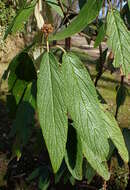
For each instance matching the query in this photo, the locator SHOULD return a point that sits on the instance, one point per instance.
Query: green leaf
(30, 94)
(101, 35)
(126, 134)
(25, 115)
(121, 95)
(21, 68)
(44, 183)
(101, 61)
(73, 156)
(18, 90)
(129, 3)
(93, 127)
(115, 134)
(60, 173)
(119, 41)
(125, 14)
(90, 173)
(25, 69)
(82, 101)
(23, 122)
(34, 174)
(22, 16)
(52, 109)
(55, 6)
(21, 72)
(87, 14)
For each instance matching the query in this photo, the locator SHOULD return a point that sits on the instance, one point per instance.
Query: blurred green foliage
(7, 12)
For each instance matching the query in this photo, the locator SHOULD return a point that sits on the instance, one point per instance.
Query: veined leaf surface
(52, 109)
(119, 41)
(92, 124)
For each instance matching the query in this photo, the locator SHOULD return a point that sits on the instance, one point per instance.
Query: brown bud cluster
(47, 29)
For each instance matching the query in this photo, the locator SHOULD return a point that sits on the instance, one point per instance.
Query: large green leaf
(51, 108)
(87, 14)
(119, 41)
(89, 119)
(21, 17)
(73, 156)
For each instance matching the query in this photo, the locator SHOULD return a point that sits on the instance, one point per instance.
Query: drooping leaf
(23, 122)
(73, 156)
(25, 69)
(55, 6)
(60, 173)
(119, 41)
(90, 173)
(21, 72)
(21, 68)
(126, 134)
(11, 105)
(52, 109)
(30, 94)
(125, 13)
(22, 16)
(44, 179)
(18, 90)
(101, 61)
(101, 35)
(34, 174)
(121, 95)
(87, 14)
(93, 127)
(115, 134)
(82, 101)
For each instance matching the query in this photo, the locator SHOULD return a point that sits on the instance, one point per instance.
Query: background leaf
(22, 16)
(87, 14)
(55, 6)
(126, 134)
(119, 41)
(101, 35)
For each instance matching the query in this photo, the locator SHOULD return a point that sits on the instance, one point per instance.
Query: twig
(61, 48)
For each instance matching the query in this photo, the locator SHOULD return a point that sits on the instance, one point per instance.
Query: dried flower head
(47, 29)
